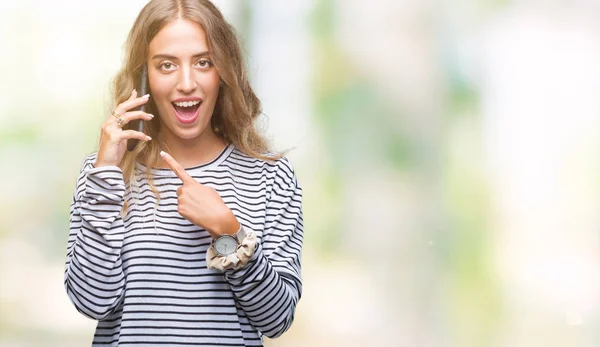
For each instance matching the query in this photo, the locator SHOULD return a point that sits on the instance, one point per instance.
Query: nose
(186, 83)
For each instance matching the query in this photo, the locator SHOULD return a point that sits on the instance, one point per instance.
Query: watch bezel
(238, 237)
(221, 239)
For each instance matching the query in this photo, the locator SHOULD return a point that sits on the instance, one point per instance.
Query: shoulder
(280, 168)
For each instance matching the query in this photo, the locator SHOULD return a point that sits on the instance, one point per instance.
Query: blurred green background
(448, 151)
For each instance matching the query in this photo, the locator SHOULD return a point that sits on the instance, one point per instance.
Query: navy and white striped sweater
(144, 278)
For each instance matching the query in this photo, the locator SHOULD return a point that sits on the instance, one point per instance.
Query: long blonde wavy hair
(237, 106)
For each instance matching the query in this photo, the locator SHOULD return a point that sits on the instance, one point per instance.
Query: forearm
(94, 277)
(268, 297)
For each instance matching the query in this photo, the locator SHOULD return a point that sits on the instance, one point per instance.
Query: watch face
(225, 245)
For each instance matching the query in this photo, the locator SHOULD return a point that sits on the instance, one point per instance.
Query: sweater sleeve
(270, 285)
(94, 278)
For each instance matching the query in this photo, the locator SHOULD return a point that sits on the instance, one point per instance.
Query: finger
(112, 133)
(132, 134)
(131, 115)
(117, 113)
(177, 168)
(132, 102)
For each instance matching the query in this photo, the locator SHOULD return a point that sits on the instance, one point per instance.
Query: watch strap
(236, 260)
(240, 235)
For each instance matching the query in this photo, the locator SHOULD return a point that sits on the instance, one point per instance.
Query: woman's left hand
(201, 204)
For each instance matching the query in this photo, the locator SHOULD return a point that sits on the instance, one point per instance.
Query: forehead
(179, 38)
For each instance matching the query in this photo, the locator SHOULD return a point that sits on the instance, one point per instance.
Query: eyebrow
(172, 57)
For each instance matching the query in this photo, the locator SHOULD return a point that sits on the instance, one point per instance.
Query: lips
(186, 113)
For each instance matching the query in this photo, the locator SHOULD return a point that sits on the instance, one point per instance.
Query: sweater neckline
(167, 172)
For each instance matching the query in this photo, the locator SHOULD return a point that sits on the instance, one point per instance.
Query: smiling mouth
(186, 111)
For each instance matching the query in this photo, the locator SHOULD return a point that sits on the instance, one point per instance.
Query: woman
(195, 236)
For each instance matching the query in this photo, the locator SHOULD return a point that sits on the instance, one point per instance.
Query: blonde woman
(195, 236)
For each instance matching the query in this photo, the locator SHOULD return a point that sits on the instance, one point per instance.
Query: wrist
(228, 225)
(100, 163)
(225, 253)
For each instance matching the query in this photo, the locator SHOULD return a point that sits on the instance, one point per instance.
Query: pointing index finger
(177, 168)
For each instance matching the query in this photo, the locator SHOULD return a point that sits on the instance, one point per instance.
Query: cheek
(210, 82)
(159, 86)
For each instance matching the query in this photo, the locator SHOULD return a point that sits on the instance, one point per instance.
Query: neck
(192, 152)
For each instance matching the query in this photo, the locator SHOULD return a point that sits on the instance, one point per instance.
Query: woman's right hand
(113, 139)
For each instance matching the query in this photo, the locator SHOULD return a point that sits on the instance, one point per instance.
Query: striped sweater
(144, 277)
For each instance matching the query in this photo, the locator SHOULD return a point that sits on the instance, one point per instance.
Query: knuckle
(106, 132)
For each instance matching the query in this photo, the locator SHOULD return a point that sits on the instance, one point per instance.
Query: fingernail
(133, 91)
(146, 96)
(148, 138)
(162, 153)
(150, 115)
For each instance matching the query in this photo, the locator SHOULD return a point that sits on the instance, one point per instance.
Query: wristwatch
(225, 245)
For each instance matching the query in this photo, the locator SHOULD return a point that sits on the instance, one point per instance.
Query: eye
(204, 63)
(166, 66)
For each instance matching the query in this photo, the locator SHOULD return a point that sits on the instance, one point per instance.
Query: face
(183, 81)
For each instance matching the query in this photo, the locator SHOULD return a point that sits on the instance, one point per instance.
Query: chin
(190, 133)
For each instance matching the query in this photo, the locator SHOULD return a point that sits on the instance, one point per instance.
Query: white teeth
(187, 103)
